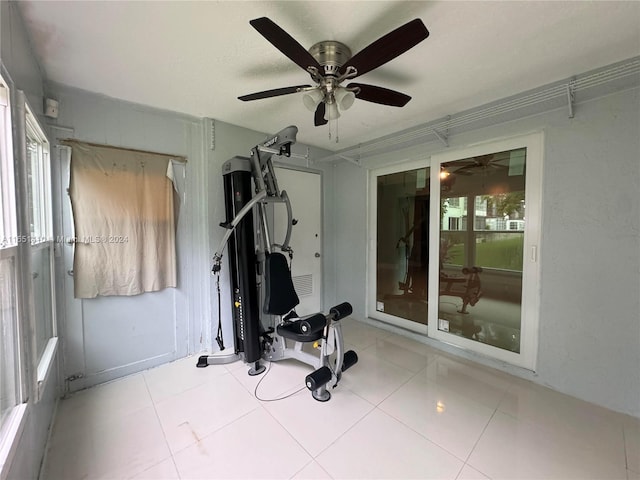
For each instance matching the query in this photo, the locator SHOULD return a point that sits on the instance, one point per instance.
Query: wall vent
(303, 284)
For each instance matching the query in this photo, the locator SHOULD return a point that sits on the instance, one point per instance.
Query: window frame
(13, 421)
(42, 240)
(35, 132)
(8, 221)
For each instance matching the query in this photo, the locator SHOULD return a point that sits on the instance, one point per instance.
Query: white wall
(17, 56)
(589, 339)
(109, 337)
(590, 308)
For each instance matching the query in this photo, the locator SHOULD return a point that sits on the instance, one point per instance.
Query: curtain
(124, 209)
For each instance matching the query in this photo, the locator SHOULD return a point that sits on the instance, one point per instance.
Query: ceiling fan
(483, 164)
(330, 63)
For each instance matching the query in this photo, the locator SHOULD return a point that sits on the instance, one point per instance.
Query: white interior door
(305, 194)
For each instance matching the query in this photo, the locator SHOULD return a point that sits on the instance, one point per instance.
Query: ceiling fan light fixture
(344, 98)
(312, 98)
(332, 112)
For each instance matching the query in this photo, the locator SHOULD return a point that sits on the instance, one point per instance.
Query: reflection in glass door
(481, 247)
(401, 246)
(488, 219)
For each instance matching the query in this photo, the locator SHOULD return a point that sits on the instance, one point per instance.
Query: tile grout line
(466, 399)
(413, 375)
(346, 431)
(216, 430)
(212, 379)
(478, 441)
(313, 460)
(164, 433)
(624, 446)
(313, 457)
(422, 435)
(50, 431)
(293, 438)
(375, 407)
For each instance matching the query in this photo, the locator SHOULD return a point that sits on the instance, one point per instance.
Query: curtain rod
(69, 141)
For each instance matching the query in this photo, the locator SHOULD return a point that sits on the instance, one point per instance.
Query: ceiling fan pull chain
(333, 128)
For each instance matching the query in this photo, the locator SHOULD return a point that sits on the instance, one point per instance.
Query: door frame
(372, 228)
(534, 143)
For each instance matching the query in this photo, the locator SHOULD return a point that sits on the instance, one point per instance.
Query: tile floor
(404, 411)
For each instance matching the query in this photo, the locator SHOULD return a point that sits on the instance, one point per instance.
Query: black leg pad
(349, 360)
(318, 378)
(312, 324)
(340, 311)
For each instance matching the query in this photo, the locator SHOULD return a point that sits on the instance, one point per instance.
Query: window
(8, 227)
(41, 243)
(37, 173)
(497, 237)
(9, 360)
(12, 408)
(9, 343)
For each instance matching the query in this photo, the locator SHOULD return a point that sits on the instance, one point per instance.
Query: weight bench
(465, 286)
(323, 332)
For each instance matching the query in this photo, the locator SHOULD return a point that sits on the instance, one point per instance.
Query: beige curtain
(123, 210)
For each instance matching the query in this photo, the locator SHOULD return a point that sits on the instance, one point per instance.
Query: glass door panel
(485, 219)
(482, 224)
(401, 245)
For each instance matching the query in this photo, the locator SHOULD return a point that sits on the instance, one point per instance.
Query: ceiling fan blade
(387, 48)
(384, 96)
(276, 92)
(285, 43)
(318, 118)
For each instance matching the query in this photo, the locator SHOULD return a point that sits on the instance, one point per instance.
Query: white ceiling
(198, 57)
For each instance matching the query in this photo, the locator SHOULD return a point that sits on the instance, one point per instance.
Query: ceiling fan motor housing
(331, 55)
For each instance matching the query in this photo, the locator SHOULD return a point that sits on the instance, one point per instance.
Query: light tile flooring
(404, 411)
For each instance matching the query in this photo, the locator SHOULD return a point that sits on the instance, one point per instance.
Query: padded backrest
(280, 296)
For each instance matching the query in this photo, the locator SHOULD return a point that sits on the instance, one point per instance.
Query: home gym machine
(260, 273)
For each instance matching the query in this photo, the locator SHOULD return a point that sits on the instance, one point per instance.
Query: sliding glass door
(453, 248)
(486, 231)
(400, 254)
